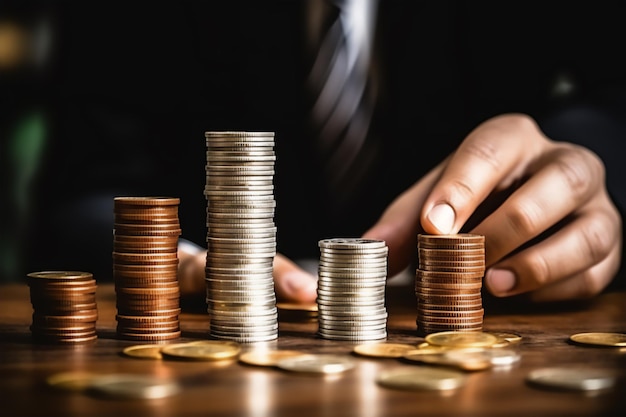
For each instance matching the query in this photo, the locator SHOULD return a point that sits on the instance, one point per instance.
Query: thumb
(293, 283)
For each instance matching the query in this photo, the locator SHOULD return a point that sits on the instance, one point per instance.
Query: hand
(555, 235)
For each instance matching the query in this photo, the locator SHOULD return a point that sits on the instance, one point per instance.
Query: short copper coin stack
(64, 304)
(145, 265)
(448, 283)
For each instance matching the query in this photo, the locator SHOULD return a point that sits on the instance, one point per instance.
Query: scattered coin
(202, 350)
(579, 379)
(317, 363)
(421, 378)
(383, 349)
(132, 386)
(600, 339)
(260, 357)
(71, 381)
(461, 339)
(144, 351)
(465, 359)
(503, 357)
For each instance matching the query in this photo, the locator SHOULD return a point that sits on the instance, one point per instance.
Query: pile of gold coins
(241, 236)
(351, 289)
(448, 282)
(64, 304)
(145, 265)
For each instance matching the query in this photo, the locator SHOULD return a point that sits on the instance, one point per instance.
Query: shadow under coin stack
(351, 289)
(64, 304)
(448, 283)
(241, 236)
(145, 266)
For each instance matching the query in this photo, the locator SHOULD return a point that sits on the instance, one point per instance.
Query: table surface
(232, 388)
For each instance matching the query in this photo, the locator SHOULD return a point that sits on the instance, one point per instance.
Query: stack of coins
(448, 282)
(64, 304)
(241, 236)
(351, 289)
(145, 265)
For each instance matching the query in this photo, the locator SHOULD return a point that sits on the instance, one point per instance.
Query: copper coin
(145, 201)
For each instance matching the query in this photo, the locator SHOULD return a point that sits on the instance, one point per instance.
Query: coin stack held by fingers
(448, 282)
(64, 304)
(351, 289)
(145, 265)
(241, 236)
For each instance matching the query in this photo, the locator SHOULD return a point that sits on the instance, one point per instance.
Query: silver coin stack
(241, 236)
(351, 289)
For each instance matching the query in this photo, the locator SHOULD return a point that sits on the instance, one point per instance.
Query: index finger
(491, 158)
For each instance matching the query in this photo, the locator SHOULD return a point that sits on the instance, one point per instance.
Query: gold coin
(600, 339)
(132, 386)
(267, 357)
(421, 378)
(71, 381)
(509, 338)
(383, 349)
(144, 351)
(317, 363)
(461, 339)
(579, 379)
(202, 350)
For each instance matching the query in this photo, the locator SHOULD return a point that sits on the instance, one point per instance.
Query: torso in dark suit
(139, 83)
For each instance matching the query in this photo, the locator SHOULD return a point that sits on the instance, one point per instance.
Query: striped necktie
(343, 93)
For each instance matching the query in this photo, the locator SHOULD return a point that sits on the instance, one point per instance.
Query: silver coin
(572, 378)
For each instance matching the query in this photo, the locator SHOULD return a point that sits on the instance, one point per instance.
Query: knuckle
(581, 170)
(484, 150)
(524, 219)
(597, 237)
(538, 271)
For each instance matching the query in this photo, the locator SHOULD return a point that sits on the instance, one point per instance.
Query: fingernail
(442, 217)
(500, 281)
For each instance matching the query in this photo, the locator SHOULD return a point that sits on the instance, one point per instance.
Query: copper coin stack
(351, 289)
(241, 236)
(145, 266)
(448, 282)
(64, 304)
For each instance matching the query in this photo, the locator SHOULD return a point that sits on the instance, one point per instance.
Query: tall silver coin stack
(351, 289)
(241, 236)
(448, 282)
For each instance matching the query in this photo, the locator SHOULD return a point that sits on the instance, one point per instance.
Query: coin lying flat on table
(600, 339)
(71, 381)
(132, 386)
(462, 339)
(383, 349)
(578, 379)
(144, 351)
(202, 350)
(421, 378)
(267, 357)
(317, 363)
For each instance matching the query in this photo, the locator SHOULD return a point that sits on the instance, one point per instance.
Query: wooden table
(232, 388)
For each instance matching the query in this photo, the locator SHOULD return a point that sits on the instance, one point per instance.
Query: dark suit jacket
(137, 84)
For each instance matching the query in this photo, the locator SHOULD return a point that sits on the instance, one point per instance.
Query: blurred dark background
(107, 98)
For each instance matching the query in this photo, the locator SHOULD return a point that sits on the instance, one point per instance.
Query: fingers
(292, 283)
(191, 271)
(576, 261)
(561, 181)
(490, 158)
(399, 224)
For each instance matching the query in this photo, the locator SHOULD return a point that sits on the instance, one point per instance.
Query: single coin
(317, 363)
(421, 378)
(509, 337)
(71, 381)
(202, 350)
(462, 339)
(383, 350)
(132, 386)
(600, 339)
(579, 379)
(465, 359)
(260, 357)
(144, 351)
(503, 357)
